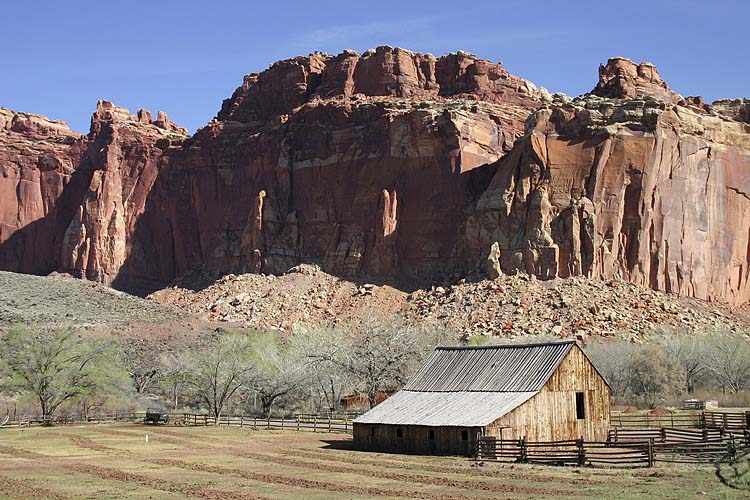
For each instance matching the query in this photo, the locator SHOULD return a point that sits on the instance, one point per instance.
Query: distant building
(355, 401)
(540, 392)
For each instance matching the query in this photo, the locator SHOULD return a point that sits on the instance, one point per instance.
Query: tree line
(229, 371)
(312, 370)
(673, 365)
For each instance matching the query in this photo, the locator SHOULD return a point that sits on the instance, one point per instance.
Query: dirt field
(116, 462)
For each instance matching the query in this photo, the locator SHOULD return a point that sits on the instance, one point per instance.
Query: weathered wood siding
(551, 414)
(416, 439)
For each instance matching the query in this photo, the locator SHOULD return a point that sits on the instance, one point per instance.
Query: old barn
(541, 392)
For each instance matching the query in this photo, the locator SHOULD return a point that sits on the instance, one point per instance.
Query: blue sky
(184, 57)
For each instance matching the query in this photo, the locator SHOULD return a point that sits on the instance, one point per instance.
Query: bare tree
(610, 358)
(728, 359)
(218, 371)
(376, 354)
(57, 365)
(278, 372)
(175, 375)
(690, 352)
(325, 380)
(142, 359)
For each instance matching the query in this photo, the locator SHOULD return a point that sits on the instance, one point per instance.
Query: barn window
(399, 433)
(464, 435)
(372, 431)
(432, 434)
(580, 406)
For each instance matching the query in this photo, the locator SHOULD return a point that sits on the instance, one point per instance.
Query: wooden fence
(329, 422)
(571, 452)
(678, 436)
(624, 447)
(307, 421)
(698, 420)
(33, 420)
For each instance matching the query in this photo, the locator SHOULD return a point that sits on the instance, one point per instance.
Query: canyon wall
(397, 165)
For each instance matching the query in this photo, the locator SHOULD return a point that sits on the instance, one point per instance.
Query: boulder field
(397, 165)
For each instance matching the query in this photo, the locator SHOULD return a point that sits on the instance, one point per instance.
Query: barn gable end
(552, 413)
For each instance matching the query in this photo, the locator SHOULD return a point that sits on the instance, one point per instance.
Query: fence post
(663, 435)
(702, 421)
(581, 452)
(315, 423)
(747, 419)
(268, 421)
(523, 456)
(329, 422)
(297, 422)
(255, 422)
(650, 452)
(282, 422)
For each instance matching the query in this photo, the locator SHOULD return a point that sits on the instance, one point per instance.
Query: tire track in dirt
(90, 444)
(310, 484)
(18, 452)
(440, 469)
(26, 491)
(161, 484)
(420, 479)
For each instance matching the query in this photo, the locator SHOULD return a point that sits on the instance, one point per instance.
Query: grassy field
(115, 462)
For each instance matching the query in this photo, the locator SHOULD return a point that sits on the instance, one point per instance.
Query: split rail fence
(331, 422)
(307, 422)
(628, 448)
(696, 420)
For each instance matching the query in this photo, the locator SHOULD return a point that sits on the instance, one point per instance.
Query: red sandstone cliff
(394, 164)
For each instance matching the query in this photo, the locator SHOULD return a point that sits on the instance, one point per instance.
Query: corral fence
(303, 421)
(627, 448)
(33, 420)
(696, 420)
(323, 422)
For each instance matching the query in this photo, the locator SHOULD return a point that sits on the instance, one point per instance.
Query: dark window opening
(464, 435)
(372, 431)
(580, 406)
(432, 433)
(399, 433)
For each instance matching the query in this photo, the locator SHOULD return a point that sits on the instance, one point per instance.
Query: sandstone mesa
(392, 164)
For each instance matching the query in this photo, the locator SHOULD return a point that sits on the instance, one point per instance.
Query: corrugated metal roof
(444, 409)
(504, 368)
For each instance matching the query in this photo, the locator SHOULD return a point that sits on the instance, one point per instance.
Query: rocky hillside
(395, 165)
(511, 306)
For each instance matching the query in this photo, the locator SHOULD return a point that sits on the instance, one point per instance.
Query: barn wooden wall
(551, 414)
(416, 439)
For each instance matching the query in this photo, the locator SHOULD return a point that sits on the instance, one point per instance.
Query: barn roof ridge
(504, 346)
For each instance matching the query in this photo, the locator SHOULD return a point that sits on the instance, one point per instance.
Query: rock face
(639, 190)
(394, 164)
(38, 161)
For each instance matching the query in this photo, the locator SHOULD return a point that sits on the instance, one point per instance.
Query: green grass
(115, 462)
